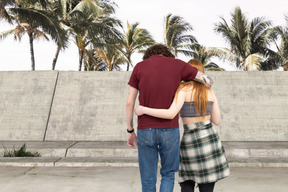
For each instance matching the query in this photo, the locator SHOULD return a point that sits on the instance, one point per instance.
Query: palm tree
(94, 63)
(175, 36)
(280, 57)
(33, 19)
(135, 39)
(112, 57)
(90, 24)
(205, 54)
(247, 40)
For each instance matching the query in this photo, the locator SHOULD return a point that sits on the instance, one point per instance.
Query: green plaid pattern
(202, 156)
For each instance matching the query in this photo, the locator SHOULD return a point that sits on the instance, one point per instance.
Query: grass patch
(21, 152)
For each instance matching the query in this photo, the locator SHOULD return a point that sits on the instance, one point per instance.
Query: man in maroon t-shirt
(156, 79)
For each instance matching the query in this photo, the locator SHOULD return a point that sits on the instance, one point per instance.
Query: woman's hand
(139, 110)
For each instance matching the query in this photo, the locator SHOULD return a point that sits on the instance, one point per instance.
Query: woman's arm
(163, 113)
(215, 116)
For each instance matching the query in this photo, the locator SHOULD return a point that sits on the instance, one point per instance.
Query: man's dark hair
(157, 49)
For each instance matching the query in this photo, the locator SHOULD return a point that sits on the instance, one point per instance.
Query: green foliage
(175, 35)
(135, 39)
(248, 42)
(90, 25)
(21, 152)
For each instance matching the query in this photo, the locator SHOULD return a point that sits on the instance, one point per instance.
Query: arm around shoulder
(204, 78)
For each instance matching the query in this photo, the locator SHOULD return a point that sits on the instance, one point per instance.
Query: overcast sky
(202, 15)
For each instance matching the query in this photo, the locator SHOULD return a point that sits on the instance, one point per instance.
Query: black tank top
(189, 110)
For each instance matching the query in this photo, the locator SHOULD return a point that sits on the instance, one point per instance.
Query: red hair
(200, 95)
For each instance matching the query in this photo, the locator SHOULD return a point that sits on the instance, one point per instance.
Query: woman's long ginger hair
(199, 93)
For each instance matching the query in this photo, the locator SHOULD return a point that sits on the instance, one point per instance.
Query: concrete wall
(25, 101)
(90, 106)
(253, 105)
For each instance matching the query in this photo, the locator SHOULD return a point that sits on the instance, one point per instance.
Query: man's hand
(139, 110)
(132, 140)
(204, 78)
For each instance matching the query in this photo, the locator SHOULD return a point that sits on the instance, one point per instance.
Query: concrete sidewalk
(118, 154)
(126, 179)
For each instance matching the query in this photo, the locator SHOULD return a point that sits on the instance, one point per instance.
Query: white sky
(201, 14)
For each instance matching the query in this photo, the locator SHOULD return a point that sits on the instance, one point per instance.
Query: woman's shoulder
(211, 95)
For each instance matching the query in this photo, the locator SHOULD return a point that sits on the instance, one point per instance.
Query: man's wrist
(130, 130)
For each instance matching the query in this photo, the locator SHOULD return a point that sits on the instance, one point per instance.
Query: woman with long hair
(202, 156)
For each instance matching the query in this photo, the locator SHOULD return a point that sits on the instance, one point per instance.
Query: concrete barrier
(90, 106)
(253, 105)
(25, 102)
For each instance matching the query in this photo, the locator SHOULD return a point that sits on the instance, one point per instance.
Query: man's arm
(204, 78)
(132, 139)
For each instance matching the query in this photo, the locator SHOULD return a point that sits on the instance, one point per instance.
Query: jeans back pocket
(172, 136)
(144, 136)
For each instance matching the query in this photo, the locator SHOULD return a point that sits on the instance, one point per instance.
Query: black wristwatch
(130, 131)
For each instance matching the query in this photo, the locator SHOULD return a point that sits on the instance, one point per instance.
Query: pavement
(126, 179)
(118, 154)
(105, 166)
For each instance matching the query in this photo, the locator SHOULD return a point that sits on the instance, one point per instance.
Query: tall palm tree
(90, 24)
(33, 19)
(135, 39)
(247, 40)
(175, 35)
(280, 57)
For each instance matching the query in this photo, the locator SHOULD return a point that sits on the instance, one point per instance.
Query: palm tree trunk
(32, 51)
(81, 54)
(128, 64)
(129, 61)
(56, 57)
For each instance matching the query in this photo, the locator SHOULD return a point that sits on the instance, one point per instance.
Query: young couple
(158, 79)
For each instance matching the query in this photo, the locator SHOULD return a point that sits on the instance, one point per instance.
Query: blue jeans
(152, 142)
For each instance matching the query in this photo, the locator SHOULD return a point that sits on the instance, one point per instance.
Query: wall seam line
(53, 95)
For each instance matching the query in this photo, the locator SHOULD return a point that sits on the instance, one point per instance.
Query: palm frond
(175, 32)
(6, 33)
(88, 7)
(252, 62)
(43, 19)
(213, 67)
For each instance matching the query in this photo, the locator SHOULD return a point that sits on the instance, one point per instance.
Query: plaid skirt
(202, 156)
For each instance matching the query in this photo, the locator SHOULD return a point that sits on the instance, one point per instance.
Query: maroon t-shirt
(157, 80)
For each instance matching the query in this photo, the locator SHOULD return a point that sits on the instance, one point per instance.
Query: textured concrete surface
(46, 149)
(253, 105)
(90, 106)
(25, 102)
(118, 154)
(127, 179)
(121, 149)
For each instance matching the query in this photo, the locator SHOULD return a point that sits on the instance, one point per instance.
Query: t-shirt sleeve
(188, 72)
(134, 78)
